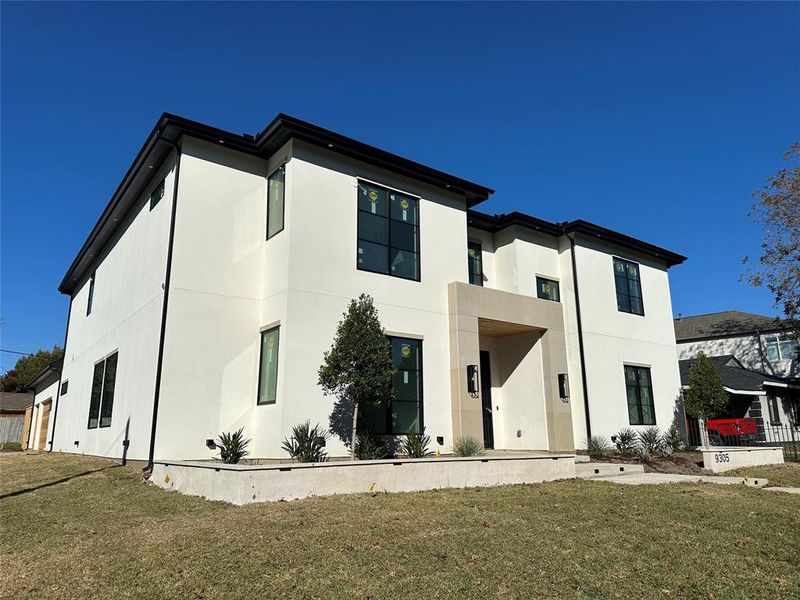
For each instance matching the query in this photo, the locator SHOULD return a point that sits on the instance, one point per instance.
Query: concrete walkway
(656, 478)
(786, 490)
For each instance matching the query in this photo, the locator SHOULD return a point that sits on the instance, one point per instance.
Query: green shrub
(467, 446)
(599, 445)
(307, 444)
(232, 446)
(370, 446)
(643, 454)
(415, 445)
(626, 441)
(650, 439)
(672, 438)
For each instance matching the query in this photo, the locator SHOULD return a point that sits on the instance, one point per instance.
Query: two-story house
(208, 291)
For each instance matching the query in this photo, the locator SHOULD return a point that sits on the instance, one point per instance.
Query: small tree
(27, 367)
(358, 367)
(705, 398)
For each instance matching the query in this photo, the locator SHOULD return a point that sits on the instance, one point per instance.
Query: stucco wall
(745, 348)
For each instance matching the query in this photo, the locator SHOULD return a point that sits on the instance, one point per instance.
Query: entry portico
(520, 345)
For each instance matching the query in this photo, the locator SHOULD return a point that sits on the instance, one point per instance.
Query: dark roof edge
(278, 132)
(495, 223)
(53, 367)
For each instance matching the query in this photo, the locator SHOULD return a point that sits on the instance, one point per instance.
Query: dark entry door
(486, 400)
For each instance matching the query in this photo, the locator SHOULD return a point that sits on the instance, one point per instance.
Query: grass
(102, 533)
(786, 475)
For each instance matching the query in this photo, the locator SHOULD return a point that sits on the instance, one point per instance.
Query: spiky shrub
(467, 446)
(643, 454)
(415, 445)
(370, 446)
(650, 439)
(672, 438)
(307, 444)
(599, 445)
(232, 446)
(626, 441)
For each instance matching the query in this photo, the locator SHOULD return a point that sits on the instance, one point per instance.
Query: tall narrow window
(91, 296)
(276, 194)
(639, 387)
(547, 289)
(774, 413)
(388, 232)
(475, 262)
(629, 287)
(268, 367)
(101, 404)
(157, 195)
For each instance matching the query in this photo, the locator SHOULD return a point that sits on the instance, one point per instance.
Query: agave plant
(467, 446)
(626, 441)
(307, 444)
(232, 446)
(415, 445)
(650, 439)
(370, 446)
(599, 445)
(672, 438)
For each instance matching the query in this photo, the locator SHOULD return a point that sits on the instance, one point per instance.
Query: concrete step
(596, 469)
(582, 458)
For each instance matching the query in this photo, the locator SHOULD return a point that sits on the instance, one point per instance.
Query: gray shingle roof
(722, 324)
(730, 370)
(14, 402)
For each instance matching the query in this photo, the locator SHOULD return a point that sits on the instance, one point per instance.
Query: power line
(15, 352)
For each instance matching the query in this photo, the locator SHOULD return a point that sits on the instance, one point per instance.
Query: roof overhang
(171, 128)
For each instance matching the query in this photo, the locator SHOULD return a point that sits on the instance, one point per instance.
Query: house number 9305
(722, 457)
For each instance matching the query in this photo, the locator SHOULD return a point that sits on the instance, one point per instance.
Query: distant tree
(777, 209)
(358, 367)
(26, 369)
(705, 398)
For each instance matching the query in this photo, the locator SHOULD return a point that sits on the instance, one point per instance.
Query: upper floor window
(475, 262)
(780, 346)
(629, 287)
(276, 194)
(547, 289)
(102, 399)
(157, 195)
(639, 387)
(64, 387)
(388, 232)
(91, 296)
(268, 367)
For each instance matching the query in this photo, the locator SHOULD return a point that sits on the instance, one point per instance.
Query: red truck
(733, 432)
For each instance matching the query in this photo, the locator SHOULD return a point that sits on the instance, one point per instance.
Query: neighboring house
(771, 401)
(760, 343)
(45, 386)
(208, 291)
(13, 407)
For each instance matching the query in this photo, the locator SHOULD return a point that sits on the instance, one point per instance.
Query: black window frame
(282, 170)
(277, 331)
(639, 370)
(773, 409)
(546, 280)
(96, 411)
(389, 220)
(64, 388)
(388, 403)
(627, 296)
(475, 263)
(90, 299)
(157, 194)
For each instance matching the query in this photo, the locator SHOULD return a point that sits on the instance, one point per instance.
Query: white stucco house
(204, 298)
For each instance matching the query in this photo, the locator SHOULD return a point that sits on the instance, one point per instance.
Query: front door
(486, 400)
(45, 408)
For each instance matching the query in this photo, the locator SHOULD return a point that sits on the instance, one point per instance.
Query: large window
(388, 232)
(639, 388)
(475, 261)
(101, 403)
(547, 289)
(780, 346)
(629, 287)
(402, 414)
(268, 367)
(276, 194)
(91, 296)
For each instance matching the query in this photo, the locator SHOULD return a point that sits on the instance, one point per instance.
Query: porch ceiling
(497, 329)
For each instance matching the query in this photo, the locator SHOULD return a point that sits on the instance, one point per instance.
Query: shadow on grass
(56, 482)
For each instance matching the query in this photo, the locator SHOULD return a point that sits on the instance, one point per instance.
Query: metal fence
(785, 435)
(11, 430)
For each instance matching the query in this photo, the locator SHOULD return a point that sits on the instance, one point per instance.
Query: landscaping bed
(681, 463)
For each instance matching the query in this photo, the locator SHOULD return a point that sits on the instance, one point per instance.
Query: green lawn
(787, 475)
(105, 534)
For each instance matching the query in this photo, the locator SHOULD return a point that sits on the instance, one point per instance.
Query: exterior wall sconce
(472, 380)
(563, 387)
(211, 444)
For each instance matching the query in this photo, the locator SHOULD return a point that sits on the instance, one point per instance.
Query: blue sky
(657, 120)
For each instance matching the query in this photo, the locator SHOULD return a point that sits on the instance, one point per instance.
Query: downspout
(580, 338)
(157, 392)
(60, 375)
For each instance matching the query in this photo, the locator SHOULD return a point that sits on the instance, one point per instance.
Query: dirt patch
(680, 463)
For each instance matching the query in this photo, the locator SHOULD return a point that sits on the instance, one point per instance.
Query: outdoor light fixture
(563, 386)
(472, 380)
(211, 444)
(440, 440)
